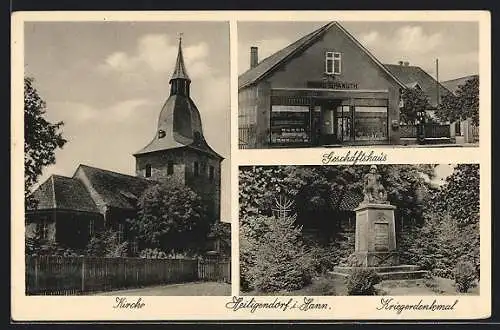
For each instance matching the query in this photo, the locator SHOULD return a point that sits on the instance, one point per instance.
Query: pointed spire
(180, 71)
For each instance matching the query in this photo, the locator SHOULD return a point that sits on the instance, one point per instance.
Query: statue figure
(373, 190)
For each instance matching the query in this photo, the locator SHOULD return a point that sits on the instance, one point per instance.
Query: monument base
(401, 272)
(376, 259)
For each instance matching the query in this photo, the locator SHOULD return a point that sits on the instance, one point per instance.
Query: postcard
(231, 165)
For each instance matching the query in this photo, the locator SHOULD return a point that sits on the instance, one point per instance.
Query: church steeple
(179, 83)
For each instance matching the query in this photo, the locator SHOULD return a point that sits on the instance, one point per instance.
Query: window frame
(211, 173)
(148, 171)
(333, 57)
(170, 167)
(196, 169)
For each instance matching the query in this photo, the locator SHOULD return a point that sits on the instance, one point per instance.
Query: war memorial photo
(359, 230)
(127, 158)
(344, 84)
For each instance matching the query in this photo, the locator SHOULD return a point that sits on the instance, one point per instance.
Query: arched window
(148, 170)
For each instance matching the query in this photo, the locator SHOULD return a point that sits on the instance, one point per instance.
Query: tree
(171, 217)
(463, 104)
(414, 101)
(41, 138)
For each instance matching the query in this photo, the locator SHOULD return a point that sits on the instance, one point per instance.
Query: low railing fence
(58, 275)
(431, 130)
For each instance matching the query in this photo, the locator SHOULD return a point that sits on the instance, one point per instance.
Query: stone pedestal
(375, 240)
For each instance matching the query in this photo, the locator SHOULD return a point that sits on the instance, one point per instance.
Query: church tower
(178, 148)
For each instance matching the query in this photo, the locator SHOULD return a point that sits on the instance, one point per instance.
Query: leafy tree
(414, 101)
(41, 138)
(463, 104)
(171, 216)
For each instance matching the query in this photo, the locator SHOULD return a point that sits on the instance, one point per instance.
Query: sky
(455, 44)
(107, 81)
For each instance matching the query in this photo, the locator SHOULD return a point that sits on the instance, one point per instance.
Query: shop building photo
(307, 84)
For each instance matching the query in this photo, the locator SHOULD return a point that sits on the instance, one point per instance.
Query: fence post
(83, 274)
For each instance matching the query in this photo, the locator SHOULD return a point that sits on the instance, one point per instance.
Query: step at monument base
(401, 272)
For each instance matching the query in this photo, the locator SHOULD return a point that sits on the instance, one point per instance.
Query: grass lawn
(326, 286)
(184, 289)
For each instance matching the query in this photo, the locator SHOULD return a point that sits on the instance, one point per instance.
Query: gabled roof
(267, 65)
(453, 84)
(63, 193)
(116, 190)
(415, 75)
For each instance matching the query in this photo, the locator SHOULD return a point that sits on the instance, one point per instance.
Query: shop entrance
(331, 123)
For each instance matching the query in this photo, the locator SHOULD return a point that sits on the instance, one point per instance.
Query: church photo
(127, 151)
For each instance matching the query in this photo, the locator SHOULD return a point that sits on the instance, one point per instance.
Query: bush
(465, 274)
(152, 254)
(323, 286)
(361, 282)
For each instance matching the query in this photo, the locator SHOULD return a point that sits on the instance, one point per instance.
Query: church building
(71, 209)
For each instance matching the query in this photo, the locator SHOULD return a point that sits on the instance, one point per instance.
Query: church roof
(414, 75)
(180, 71)
(63, 193)
(114, 189)
(267, 65)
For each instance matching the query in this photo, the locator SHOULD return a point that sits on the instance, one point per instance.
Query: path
(184, 289)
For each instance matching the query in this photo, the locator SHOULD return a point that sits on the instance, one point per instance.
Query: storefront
(315, 117)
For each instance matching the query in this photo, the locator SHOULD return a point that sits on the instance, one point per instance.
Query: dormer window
(333, 63)
(161, 134)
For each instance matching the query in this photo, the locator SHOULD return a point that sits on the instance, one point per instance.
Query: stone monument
(375, 240)
(375, 237)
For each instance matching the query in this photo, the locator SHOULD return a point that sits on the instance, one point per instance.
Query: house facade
(326, 89)
(70, 210)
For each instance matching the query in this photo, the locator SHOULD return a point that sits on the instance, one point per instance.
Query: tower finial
(180, 69)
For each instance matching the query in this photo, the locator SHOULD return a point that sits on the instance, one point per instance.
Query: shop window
(196, 169)
(211, 172)
(370, 123)
(290, 124)
(148, 170)
(333, 63)
(170, 167)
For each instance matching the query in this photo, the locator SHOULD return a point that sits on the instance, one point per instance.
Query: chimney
(400, 62)
(254, 56)
(406, 63)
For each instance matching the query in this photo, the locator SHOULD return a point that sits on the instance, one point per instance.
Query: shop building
(323, 89)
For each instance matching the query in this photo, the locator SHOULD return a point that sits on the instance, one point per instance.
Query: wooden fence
(57, 275)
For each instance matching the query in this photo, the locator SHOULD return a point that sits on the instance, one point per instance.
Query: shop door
(328, 123)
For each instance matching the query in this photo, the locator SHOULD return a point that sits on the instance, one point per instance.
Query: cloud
(157, 53)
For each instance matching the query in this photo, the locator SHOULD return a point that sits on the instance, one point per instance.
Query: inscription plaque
(381, 236)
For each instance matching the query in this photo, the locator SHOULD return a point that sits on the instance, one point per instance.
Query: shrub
(465, 274)
(361, 282)
(323, 286)
(152, 254)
